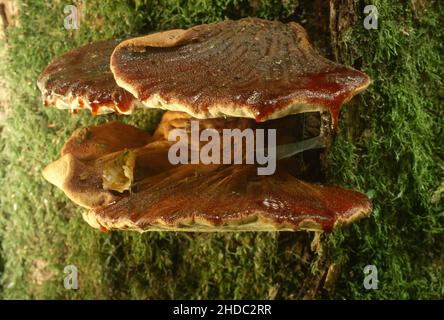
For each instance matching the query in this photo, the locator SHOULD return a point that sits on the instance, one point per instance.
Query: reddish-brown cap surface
(160, 196)
(247, 68)
(81, 79)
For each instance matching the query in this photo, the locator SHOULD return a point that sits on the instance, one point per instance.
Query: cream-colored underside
(227, 110)
(296, 106)
(72, 103)
(252, 222)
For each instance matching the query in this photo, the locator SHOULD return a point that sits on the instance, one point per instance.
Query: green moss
(395, 156)
(389, 146)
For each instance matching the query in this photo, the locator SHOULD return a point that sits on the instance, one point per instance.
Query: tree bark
(326, 23)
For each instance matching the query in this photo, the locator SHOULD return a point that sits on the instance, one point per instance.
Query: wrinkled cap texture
(82, 79)
(246, 68)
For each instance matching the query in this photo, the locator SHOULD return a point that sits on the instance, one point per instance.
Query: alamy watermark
(371, 20)
(71, 21)
(228, 148)
(71, 280)
(371, 278)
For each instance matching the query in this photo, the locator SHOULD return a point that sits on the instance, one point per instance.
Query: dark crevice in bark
(326, 23)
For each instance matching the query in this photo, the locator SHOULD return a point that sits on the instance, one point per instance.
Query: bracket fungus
(239, 75)
(82, 79)
(247, 68)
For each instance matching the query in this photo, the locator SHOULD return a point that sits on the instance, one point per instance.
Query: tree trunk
(326, 22)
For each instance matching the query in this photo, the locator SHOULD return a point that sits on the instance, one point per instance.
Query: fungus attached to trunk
(82, 79)
(232, 75)
(247, 68)
(197, 197)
